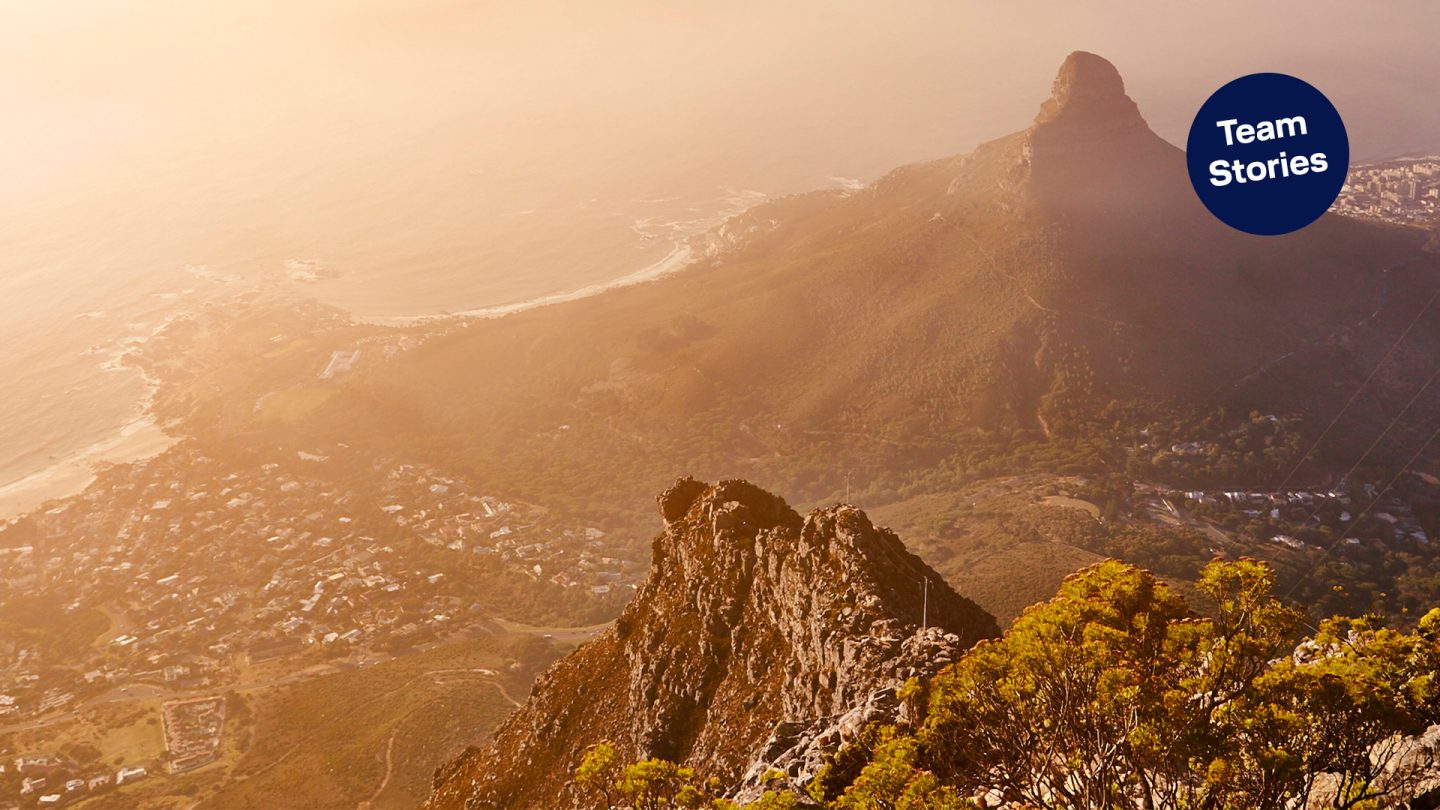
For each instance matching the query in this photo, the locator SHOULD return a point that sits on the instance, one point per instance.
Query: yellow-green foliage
(653, 784)
(894, 779)
(1117, 694)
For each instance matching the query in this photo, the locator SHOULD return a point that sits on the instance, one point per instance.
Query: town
(1279, 516)
(183, 577)
(1400, 192)
(1350, 515)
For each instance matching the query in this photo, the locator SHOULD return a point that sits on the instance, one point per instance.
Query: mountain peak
(1091, 150)
(759, 637)
(1088, 90)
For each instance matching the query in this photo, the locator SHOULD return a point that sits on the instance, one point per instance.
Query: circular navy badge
(1268, 154)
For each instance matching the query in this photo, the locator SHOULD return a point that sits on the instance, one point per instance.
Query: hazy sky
(88, 84)
(317, 125)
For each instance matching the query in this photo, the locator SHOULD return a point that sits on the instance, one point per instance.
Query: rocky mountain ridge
(760, 640)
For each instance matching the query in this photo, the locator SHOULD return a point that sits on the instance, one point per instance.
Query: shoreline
(142, 438)
(680, 257)
(137, 440)
(682, 235)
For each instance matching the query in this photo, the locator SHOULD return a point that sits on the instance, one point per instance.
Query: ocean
(87, 286)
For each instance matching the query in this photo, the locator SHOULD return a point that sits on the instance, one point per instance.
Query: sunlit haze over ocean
(421, 157)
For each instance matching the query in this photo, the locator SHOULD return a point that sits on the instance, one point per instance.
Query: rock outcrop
(799, 750)
(1089, 145)
(1087, 95)
(759, 640)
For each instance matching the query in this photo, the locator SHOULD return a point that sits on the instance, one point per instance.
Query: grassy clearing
(294, 404)
(1073, 503)
(323, 743)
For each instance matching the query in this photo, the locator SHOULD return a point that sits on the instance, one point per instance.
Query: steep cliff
(759, 639)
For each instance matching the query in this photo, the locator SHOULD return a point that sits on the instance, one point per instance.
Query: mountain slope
(750, 616)
(911, 327)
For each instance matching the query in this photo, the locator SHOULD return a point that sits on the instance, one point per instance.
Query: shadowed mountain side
(1019, 287)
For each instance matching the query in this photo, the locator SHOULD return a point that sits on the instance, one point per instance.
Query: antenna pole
(925, 606)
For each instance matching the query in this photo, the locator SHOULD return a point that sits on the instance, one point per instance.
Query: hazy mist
(434, 156)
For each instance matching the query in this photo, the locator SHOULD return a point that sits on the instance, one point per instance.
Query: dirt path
(505, 694)
(369, 804)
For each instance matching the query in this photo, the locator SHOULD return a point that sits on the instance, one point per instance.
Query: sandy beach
(137, 440)
(678, 258)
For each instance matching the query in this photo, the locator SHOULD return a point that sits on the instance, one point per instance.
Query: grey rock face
(758, 640)
(799, 750)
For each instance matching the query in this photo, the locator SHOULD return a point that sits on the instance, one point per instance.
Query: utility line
(1381, 494)
(1356, 395)
(1361, 460)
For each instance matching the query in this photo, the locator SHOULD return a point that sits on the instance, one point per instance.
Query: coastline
(677, 259)
(681, 235)
(143, 438)
(137, 440)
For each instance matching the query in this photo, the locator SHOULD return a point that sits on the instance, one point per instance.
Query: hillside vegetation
(1032, 306)
(377, 734)
(1117, 694)
(369, 737)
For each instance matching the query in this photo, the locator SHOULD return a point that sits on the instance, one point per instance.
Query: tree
(657, 783)
(1341, 716)
(1072, 707)
(1116, 694)
(598, 771)
(653, 784)
(893, 781)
